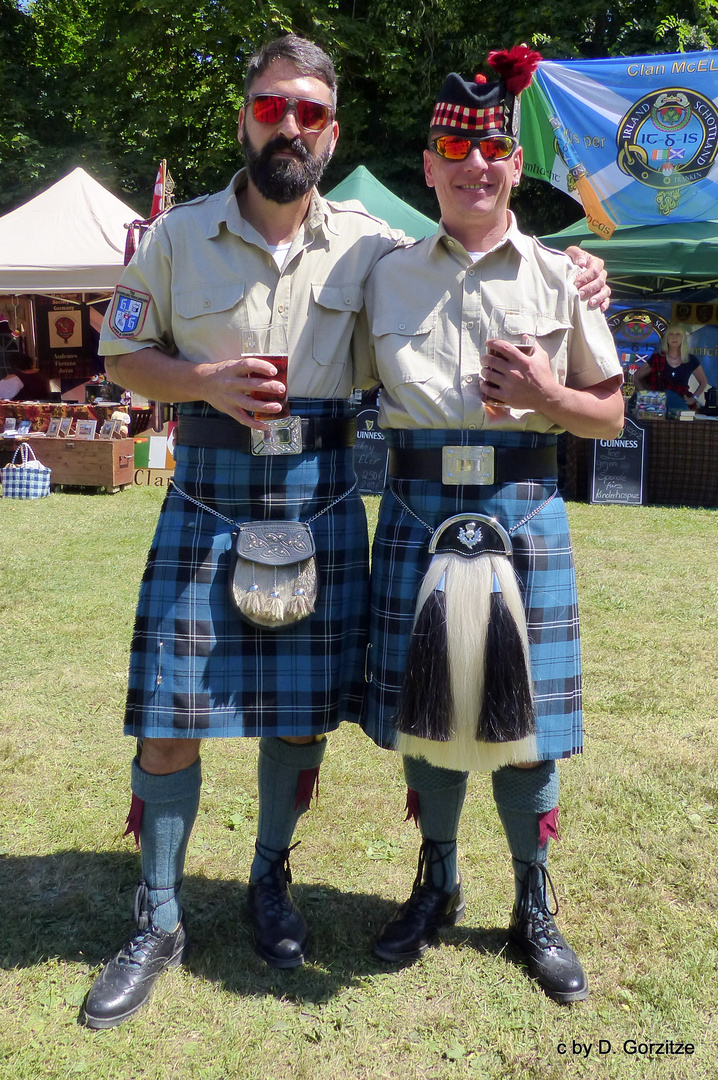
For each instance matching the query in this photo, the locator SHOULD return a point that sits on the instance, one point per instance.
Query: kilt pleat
(543, 560)
(196, 669)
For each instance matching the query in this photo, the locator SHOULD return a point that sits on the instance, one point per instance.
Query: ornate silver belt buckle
(283, 437)
(467, 465)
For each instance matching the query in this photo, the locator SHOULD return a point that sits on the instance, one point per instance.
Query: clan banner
(634, 138)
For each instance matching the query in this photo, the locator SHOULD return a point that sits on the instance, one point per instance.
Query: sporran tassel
(300, 605)
(425, 704)
(251, 601)
(274, 605)
(507, 710)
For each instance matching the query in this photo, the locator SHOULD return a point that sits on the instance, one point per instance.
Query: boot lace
(430, 856)
(275, 898)
(534, 907)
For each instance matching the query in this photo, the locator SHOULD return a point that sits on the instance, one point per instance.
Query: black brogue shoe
(125, 984)
(280, 932)
(415, 926)
(551, 960)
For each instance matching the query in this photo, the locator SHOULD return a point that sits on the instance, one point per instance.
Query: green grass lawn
(636, 869)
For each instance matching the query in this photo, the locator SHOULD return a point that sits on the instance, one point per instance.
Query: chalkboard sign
(619, 467)
(371, 455)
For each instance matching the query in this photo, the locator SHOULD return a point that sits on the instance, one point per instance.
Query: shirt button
(207, 303)
(472, 427)
(469, 326)
(347, 299)
(402, 326)
(471, 273)
(469, 378)
(280, 307)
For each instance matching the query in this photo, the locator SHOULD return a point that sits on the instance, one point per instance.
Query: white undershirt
(279, 252)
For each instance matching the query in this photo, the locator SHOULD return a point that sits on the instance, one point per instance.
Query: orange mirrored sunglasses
(458, 147)
(272, 108)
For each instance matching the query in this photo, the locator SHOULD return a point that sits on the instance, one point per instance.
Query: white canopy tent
(69, 239)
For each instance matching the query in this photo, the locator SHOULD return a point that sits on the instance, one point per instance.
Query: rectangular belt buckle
(467, 465)
(283, 437)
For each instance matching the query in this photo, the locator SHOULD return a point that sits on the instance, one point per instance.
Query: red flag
(158, 197)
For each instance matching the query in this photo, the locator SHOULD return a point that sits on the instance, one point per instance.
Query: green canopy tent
(360, 185)
(651, 258)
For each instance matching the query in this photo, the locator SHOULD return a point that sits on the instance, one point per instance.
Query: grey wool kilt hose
(196, 669)
(542, 559)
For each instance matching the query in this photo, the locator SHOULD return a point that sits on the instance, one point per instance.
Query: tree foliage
(115, 86)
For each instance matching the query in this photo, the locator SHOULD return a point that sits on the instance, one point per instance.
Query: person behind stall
(671, 367)
(474, 652)
(24, 382)
(267, 248)
(9, 347)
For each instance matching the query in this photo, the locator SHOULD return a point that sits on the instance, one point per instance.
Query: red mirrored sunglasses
(458, 147)
(271, 109)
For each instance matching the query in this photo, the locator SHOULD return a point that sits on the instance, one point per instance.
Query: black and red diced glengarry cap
(478, 105)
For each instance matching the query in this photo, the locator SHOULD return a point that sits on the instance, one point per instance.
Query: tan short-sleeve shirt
(427, 315)
(201, 273)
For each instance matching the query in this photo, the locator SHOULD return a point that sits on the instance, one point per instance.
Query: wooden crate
(98, 463)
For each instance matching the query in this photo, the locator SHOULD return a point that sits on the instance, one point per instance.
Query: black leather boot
(280, 932)
(125, 984)
(409, 933)
(550, 958)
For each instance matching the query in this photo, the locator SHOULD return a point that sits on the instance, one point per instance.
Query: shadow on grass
(76, 906)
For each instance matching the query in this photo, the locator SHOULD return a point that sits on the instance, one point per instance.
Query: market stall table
(104, 464)
(41, 412)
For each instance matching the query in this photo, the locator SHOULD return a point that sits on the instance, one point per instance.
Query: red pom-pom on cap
(515, 66)
(479, 78)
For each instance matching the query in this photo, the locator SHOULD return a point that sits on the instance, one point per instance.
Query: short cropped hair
(306, 57)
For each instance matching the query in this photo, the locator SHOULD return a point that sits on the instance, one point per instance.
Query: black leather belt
(464, 465)
(226, 434)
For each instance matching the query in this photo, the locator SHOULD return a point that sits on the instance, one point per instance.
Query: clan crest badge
(667, 140)
(129, 310)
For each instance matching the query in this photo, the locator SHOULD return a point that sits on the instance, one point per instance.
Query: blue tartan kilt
(196, 669)
(543, 560)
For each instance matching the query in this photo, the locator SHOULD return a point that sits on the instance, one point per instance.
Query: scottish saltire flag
(634, 139)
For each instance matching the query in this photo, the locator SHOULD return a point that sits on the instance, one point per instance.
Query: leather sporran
(274, 579)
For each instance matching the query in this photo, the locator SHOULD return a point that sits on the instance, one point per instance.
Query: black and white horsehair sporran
(467, 700)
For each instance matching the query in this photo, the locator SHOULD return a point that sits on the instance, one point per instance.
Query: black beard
(283, 180)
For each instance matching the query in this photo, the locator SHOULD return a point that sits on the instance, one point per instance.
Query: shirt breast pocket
(207, 320)
(552, 333)
(207, 299)
(405, 348)
(334, 309)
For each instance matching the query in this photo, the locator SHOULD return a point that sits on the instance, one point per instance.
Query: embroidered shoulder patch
(129, 310)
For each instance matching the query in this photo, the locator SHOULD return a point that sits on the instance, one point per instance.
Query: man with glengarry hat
(485, 354)
(266, 250)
